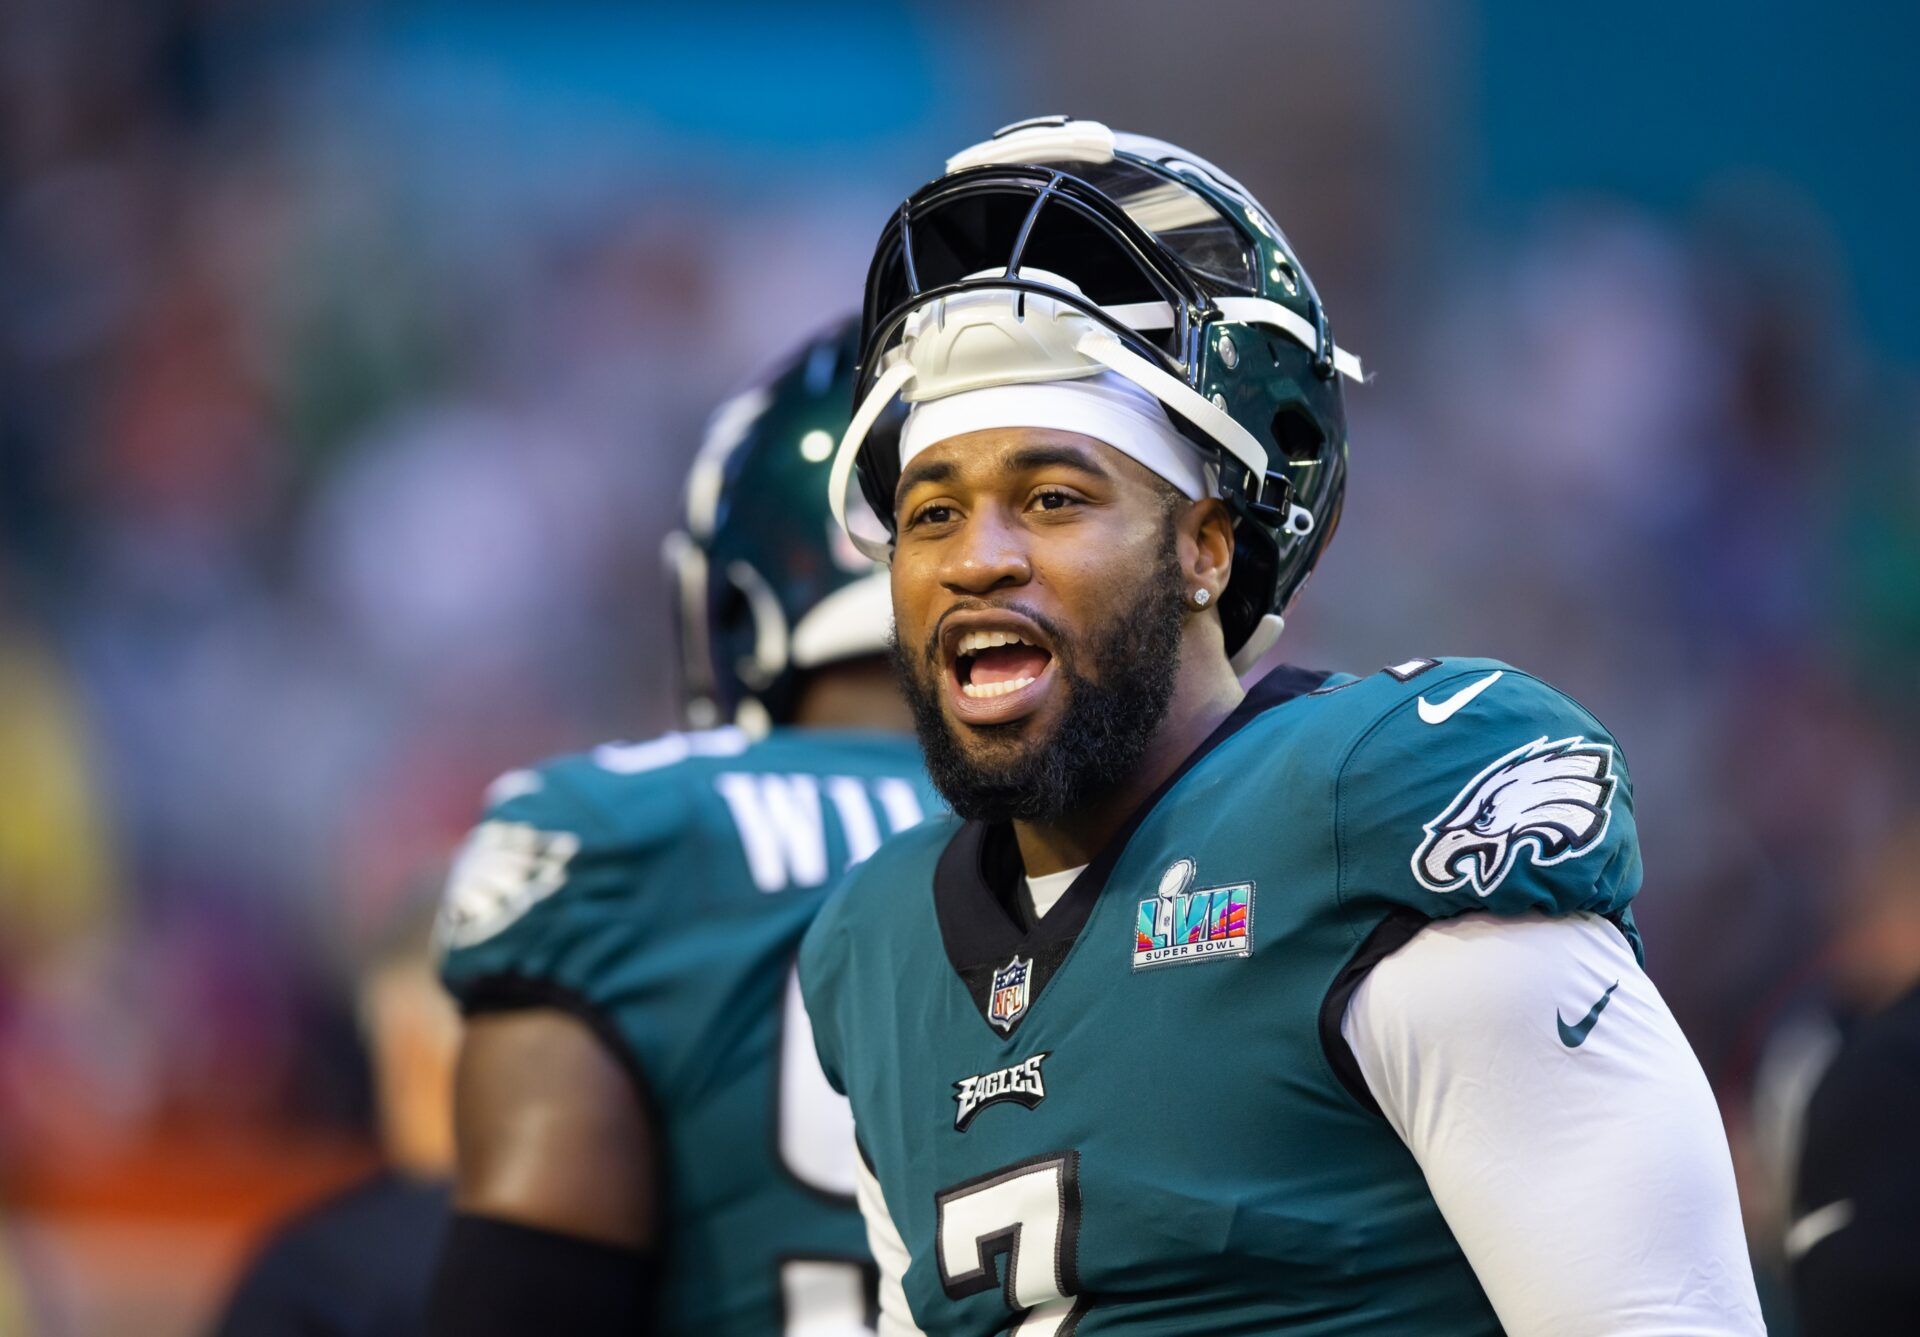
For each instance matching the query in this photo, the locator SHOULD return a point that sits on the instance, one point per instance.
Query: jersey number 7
(1030, 1212)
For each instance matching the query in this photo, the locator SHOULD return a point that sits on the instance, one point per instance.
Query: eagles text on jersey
(1199, 1153)
(660, 890)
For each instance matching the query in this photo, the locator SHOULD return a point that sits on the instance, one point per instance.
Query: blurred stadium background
(350, 356)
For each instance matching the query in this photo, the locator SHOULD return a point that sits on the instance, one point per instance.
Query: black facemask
(1118, 679)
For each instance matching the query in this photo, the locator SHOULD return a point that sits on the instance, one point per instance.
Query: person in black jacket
(360, 1263)
(1854, 1242)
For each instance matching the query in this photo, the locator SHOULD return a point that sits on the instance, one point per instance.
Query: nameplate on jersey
(784, 824)
(1179, 924)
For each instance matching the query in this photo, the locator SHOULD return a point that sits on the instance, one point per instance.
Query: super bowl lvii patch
(1178, 925)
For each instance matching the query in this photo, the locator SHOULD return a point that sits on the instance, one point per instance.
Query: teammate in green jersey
(646, 1143)
(1314, 1007)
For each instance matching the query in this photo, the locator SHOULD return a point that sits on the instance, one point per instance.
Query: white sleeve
(889, 1251)
(1563, 1124)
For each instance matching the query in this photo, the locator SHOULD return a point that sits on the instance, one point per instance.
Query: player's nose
(988, 554)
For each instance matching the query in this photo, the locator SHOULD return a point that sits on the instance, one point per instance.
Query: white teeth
(978, 690)
(975, 641)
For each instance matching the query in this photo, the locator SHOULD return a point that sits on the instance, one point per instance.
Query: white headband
(1105, 405)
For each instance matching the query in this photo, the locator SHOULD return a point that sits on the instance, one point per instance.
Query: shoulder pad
(557, 841)
(1472, 785)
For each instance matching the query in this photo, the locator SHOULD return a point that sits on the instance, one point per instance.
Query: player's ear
(1206, 546)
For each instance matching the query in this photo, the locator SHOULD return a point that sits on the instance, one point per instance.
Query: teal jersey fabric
(1139, 1115)
(660, 891)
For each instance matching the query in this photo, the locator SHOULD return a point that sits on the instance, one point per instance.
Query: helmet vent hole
(1296, 434)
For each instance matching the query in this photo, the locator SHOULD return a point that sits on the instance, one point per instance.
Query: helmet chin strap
(1265, 632)
(867, 532)
(1177, 395)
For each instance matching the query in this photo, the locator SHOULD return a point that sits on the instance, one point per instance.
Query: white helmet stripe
(1042, 140)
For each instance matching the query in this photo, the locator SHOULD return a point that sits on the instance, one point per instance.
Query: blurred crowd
(334, 468)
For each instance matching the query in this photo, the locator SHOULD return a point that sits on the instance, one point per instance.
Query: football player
(1315, 1006)
(645, 1141)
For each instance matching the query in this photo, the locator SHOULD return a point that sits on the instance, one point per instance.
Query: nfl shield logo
(1009, 994)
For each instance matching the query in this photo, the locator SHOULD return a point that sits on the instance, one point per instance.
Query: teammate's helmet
(1114, 252)
(766, 585)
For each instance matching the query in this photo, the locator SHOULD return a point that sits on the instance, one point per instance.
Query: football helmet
(1113, 252)
(766, 585)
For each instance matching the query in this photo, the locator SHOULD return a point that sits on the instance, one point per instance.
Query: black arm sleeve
(498, 1279)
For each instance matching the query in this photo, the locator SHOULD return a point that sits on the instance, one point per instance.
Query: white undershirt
(1044, 892)
(1589, 1186)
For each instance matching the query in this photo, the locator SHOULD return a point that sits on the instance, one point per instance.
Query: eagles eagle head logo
(1547, 800)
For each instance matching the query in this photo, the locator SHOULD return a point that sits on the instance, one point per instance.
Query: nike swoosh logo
(1815, 1226)
(1440, 714)
(1575, 1036)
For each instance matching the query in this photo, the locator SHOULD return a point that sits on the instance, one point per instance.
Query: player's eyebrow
(1025, 460)
(922, 471)
(1029, 458)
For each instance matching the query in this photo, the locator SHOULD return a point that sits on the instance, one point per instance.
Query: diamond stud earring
(1200, 598)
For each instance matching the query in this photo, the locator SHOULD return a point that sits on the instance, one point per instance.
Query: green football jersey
(660, 891)
(1139, 1114)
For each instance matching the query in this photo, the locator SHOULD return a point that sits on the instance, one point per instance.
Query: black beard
(1111, 715)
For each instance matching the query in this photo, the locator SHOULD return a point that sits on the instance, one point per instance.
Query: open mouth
(998, 674)
(994, 663)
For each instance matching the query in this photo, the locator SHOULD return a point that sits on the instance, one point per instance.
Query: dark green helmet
(1119, 253)
(766, 585)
